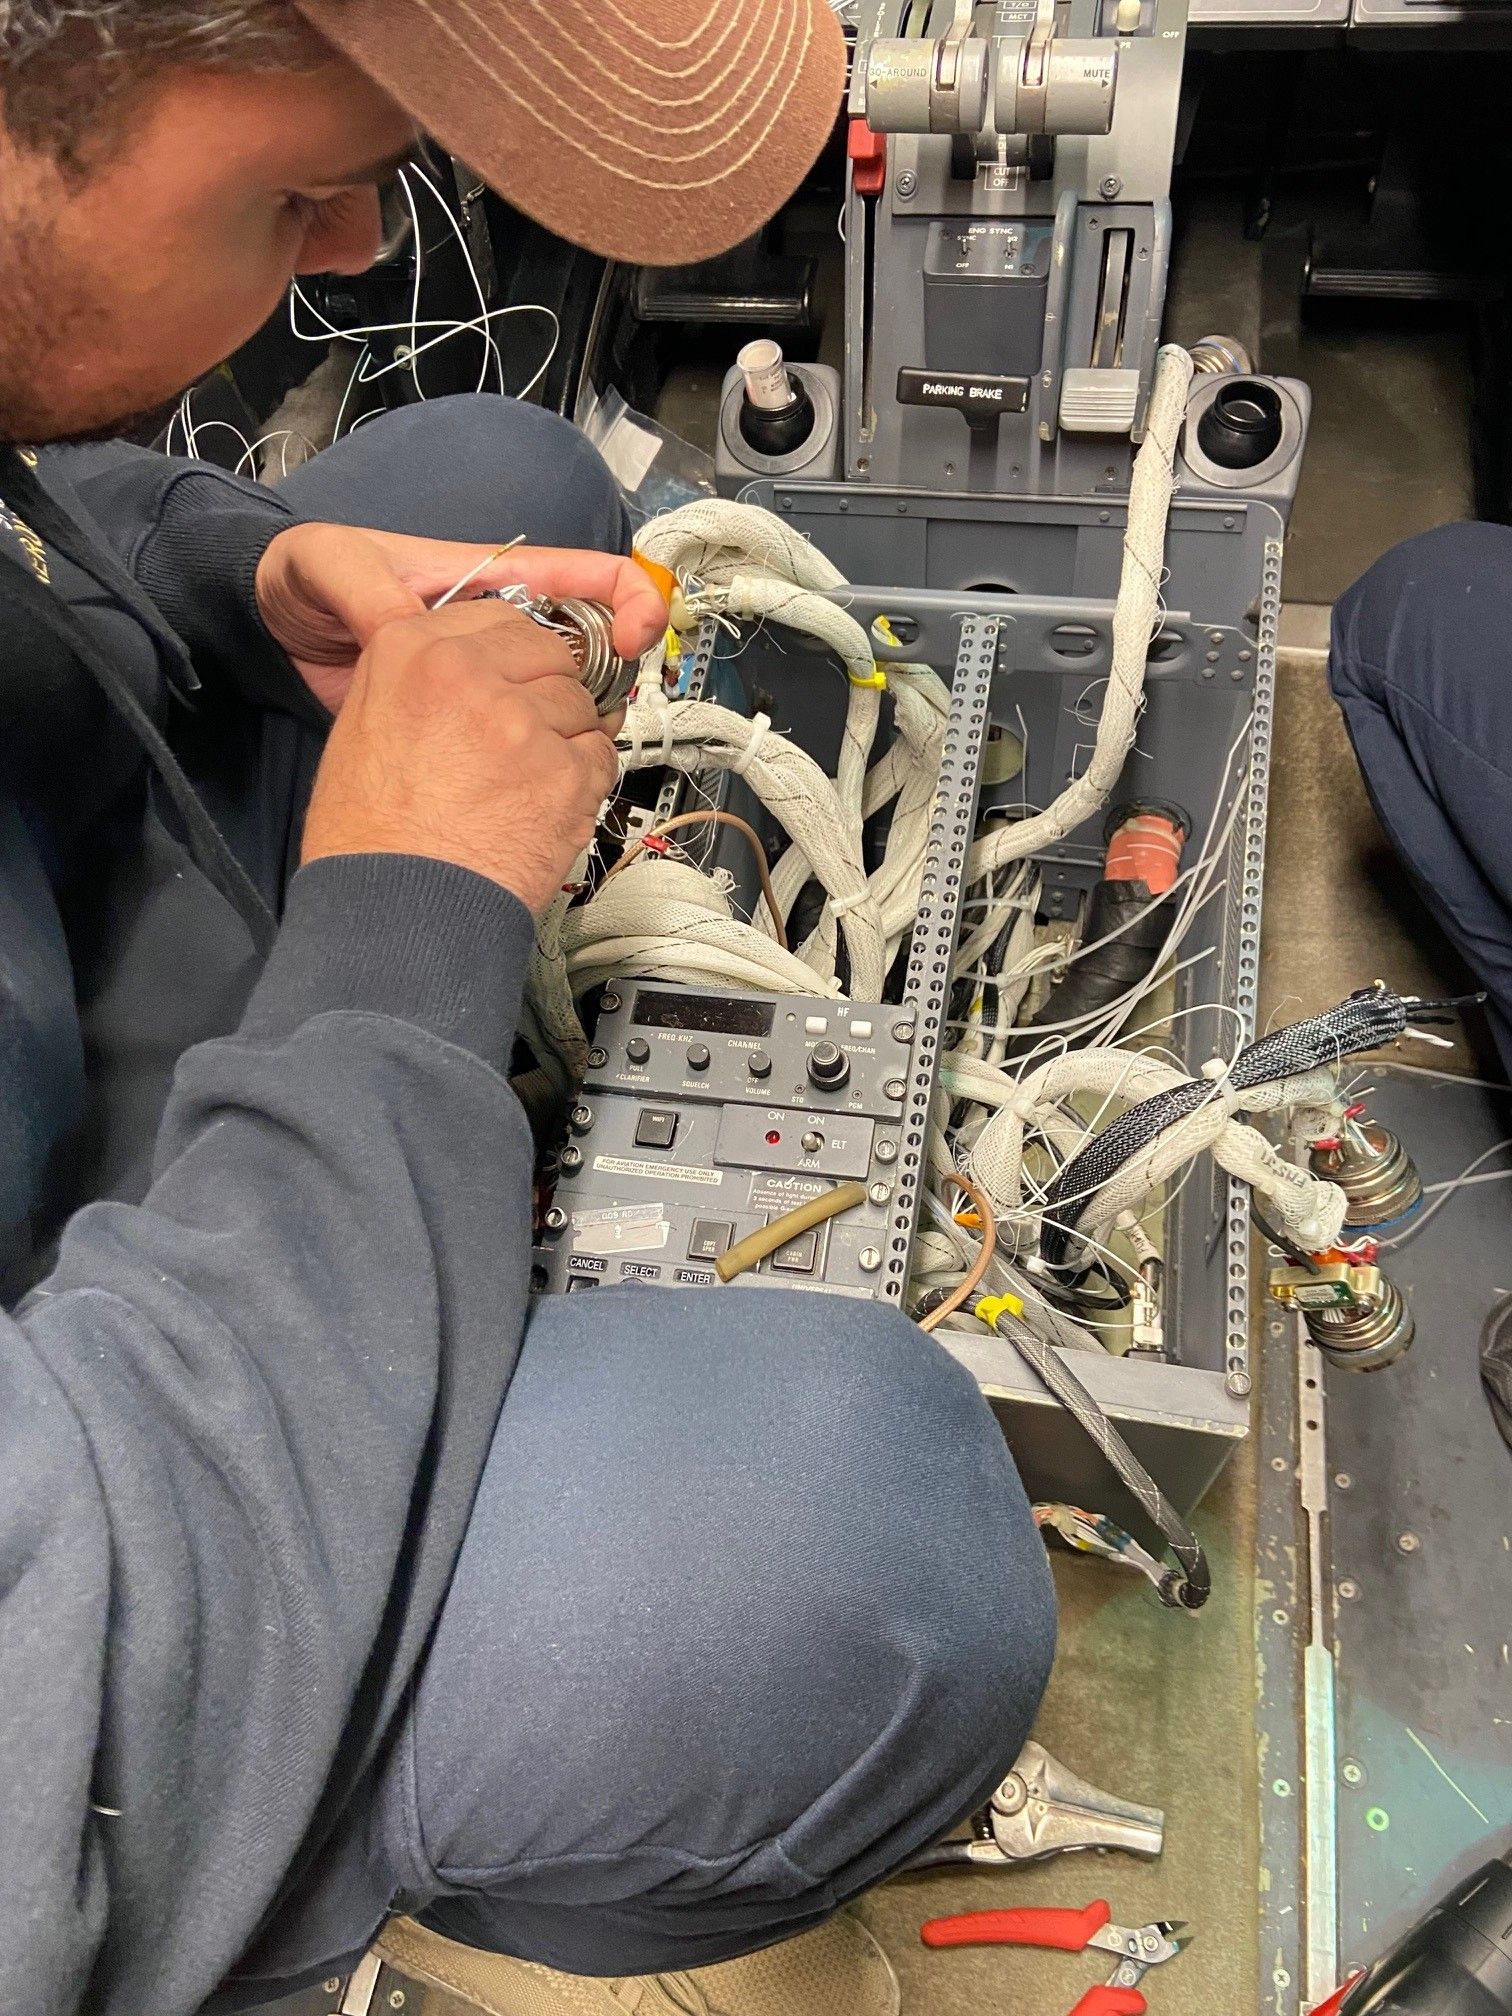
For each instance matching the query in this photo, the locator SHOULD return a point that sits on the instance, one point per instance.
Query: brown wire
(967, 1288)
(724, 819)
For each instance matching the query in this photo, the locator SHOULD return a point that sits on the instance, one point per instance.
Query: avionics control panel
(703, 1116)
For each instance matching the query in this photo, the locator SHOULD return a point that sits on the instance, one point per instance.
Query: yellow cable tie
(884, 629)
(876, 683)
(990, 1307)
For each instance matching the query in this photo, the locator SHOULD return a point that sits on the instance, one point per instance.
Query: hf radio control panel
(703, 1117)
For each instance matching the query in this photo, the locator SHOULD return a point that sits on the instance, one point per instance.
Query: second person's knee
(574, 499)
(1390, 625)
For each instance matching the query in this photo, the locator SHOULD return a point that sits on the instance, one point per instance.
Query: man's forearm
(192, 536)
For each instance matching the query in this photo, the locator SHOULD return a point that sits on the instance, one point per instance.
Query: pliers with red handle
(1138, 1950)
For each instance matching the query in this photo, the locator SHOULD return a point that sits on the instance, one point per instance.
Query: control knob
(828, 1066)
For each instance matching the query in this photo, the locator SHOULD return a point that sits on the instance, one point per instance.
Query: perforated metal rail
(926, 990)
(675, 786)
(1246, 885)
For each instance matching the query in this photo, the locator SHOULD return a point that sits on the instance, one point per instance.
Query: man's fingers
(596, 753)
(500, 638)
(432, 566)
(347, 574)
(564, 706)
(640, 613)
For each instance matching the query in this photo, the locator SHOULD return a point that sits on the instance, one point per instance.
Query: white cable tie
(841, 906)
(633, 723)
(760, 723)
(669, 737)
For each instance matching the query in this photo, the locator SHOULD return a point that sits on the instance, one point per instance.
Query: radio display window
(709, 1014)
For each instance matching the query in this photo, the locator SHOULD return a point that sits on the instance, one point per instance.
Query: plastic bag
(656, 469)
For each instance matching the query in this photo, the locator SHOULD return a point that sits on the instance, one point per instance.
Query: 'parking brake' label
(980, 399)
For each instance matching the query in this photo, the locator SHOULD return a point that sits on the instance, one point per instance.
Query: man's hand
(466, 736)
(324, 592)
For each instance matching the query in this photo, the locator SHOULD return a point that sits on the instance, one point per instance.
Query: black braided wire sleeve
(1369, 1018)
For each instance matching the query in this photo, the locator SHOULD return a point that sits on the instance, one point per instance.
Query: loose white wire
(1445, 1192)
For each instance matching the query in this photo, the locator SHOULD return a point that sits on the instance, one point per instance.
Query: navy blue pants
(751, 1606)
(1421, 665)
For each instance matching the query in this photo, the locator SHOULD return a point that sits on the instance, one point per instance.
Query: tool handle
(1107, 2001)
(1335, 2004)
(1066, 1931)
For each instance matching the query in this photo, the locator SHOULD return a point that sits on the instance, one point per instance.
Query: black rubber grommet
(1241, 427)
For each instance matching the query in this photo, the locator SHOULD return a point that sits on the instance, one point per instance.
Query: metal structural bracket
(927, 987)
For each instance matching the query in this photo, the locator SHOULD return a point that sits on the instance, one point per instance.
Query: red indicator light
(773, 1138)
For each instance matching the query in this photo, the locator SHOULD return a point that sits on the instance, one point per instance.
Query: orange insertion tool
(1138, 1949)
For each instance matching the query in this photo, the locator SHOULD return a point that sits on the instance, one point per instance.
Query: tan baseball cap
(653, 131)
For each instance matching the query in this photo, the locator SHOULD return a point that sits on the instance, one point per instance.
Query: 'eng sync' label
(982, 400)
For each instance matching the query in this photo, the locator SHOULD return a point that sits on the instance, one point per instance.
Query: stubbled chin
(40, 426)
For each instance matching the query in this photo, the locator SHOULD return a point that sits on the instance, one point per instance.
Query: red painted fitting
(1146, 848)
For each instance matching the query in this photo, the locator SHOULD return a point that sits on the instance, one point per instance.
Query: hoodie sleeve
(241, 1426)
(192, 536)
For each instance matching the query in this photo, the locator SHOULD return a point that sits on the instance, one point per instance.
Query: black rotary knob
(828, 1066)
(638, 1050)
(759, 1064)
(698, 1056)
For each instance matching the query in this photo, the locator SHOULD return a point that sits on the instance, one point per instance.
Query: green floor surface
(1154, 1707)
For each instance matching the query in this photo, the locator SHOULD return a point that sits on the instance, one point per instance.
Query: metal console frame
(1183, 1418)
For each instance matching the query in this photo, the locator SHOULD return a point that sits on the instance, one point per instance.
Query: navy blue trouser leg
(750, 1608)
(470, 467)
(1421, 664)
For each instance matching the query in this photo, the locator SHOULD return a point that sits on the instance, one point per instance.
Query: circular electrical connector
(589, 630)
(1369, 1164)
(1367, 1336)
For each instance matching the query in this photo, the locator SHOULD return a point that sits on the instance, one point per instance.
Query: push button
(800, 1255)
(656, 1128)
(710, 1239)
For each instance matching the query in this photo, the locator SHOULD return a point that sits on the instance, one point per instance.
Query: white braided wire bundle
(663, 916)
(1309, 1211)
(1136, 620)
